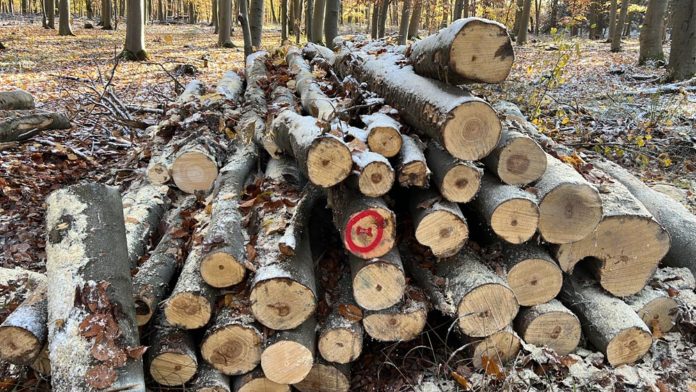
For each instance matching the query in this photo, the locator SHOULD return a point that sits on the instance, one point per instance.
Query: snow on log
(378, 283)
(499, 348)
(367, 225)
(195, 166)
(314, 101)
(210, 380)
(143, 209)
(413, 168)
(256, 381)
(383, 134)
(628, 243)
(22, 283)
(172, 355)
(252, 122)
(312, 50)
(309, 198)
(340, 338)
(375, 175)
(531, 272)
(24, 332)
(466, 126)
(231, 86)
(511, 213)
(468, 50)
(224, 255)
(609, 324)
(18, 125)
(439, 224)
(88, 277)
(289, 355)
(549, 325)
(192, 92)
(401, 322)
(458, 181)
(517, 159)
(16, 100)
(326, 377)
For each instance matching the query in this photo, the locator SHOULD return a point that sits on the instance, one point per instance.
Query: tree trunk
(373, 173)
(24, 332)
(143, 209)
(458, 181)
(618, 29)
(412, 168)
(65, 19)
(297, 19)
(225, 24)
(612, 19)
(682, 57)
(382, 21)
(50, 13)
(88, 278)
(438, 224)
(333, 7)
(519, 5)
(256, 21)
(88, 6)
(283, 21)
(214, 20)
(524, 23)
(106, 14)
(553, 15)
(517, 159)
(243, 18)
(161, 12)
(318, 21)
(403, 24)
(16, 100)
(309, 23)
(274, 18)
(375, 18)
(458, 8)
(549, 325)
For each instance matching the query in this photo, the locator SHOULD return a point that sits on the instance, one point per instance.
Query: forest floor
(574, 90)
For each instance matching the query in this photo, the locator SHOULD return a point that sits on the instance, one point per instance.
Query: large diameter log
(401, 322)
(172, 355)
(367, 225)
(511, 213)
(314, 101)
(413, 168)
(326, 377)
(24, 332)
(232, 344)
(224, 255)
(532, 273)
(143, 209)
(23, 124)
(289, 355)
(210, 380)
(383, 134)
(569, 207)
(378, 283)
(609, 324)
(672, 215)
(517, 159)
(549, 325)
(340, 338)
(86, 252)
(466, 126)
(439, 224)
(256, 381)
(628, 243)
(457, 180)
(16, 100)
(324, 158)
(195, 166)
(496, 349)
(375, 175)
(468, 50)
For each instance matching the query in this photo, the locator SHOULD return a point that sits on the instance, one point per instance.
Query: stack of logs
(226, 280)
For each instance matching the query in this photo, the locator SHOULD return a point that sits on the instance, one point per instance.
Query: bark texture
(22, 124)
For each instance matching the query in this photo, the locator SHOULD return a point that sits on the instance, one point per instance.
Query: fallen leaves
(350, 312)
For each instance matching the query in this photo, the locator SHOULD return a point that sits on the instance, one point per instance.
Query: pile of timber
(240, 288)
(20, 120)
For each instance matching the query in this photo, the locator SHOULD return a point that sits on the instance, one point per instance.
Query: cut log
(298, 223)
(281, 99)
(517, 159)
(511, 213)
(86, 253)
(439, 224)
(466, 126)
(210, 380)
(375, 175)
(312, 50)
(289, 355)
(628, 243)
(314, 101)
(16, 100)
(609, 324)
(143, 209)
(252, 122)
(231, 86)
(401, 322)
(324, 158)
(23, 282)
(531, 272)
(190, 305)
(172, 355)
(159, 169)
(195, 166)
(151, 282)
(549, 325)
(326, 377)
(672, 215)
(468, 50)
(24, 332)
(340, 337)
(383, 134)
(23, 124)
(413, 168)
(457, 180)
(378, 283)
(256, 381)
(233, 343)
(224, 254)
(569, 207)
(464, 288)
(498, 349)
(192, 92)
(367, 225)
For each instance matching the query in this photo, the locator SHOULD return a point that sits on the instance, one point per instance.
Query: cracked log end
(628, 346)
(521, 162)
(443, 232)
(660, 313)
(340, 345)
(486, 309)
(328, 161)
(568, 213)
(324, 378)
(233, 349)
(378, 285)
(287, 362)
(171, 368)
(220, 270)
(482, 51)
(472, 131)
(282, 303)
(194, 171)
(188, 310)
(515, 220)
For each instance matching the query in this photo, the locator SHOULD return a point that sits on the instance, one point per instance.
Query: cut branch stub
(439, 224)
(378, 283)
(517, 159)
(549, 325)
(457, 180)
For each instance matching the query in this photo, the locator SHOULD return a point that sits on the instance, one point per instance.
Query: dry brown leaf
(491, 367)
(350, 312)
(136, 352)
(100, 376)
(461, 380)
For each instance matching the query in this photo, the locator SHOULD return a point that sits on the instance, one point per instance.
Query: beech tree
(50, 10)
(256, 22)
(403, 25)
(214, 16)
(135, 32)
(682, 56)
(414, 24)
(524, 23)
(619, 27)
(64, 19)
(106, 10)
(651, 32)
(318, 21)
(333, 7)
(612, 19)
(225, 25)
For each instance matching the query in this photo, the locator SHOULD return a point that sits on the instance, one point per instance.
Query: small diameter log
(324, 158)
(151, 282)
(628, 243)
(367, 225)
(569, 207)
(672, 215)
(314, 101)
(532, 273)
(378, 283)
(375, 175)
(231, 86)
(439, 224)
(517, 159)
(609, 324)
(413, 168)
(312, 50)
(498, 348)
(224, 255)
(252, 122)
(401, 322)
(656, 308)
(466, 126)
(383, 134)
(24, 332)
(143, 209)
(464, 288)
(298, 223)
(457, 180)
(468, 50)
(16, 100)
(549, 325)
(341, 338)
(256, 381)
(192, 92)
(86, 253)
(195, 166)
(512, 213)
(289, 355)
(159, 169)
(232, 344)
(23, 124)
(210, 380)
(23, 282)
(42, 365)
(172, 355)
(326, 377)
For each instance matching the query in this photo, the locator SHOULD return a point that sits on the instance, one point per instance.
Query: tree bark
(318, 21)
(619, 28)
(243, 19)
(414, 24)
(50, 7)
(24, 332)
(313, 99)
(309, 22)
(65, 19)
(403, 24)
(382, 20)
(16, 100)
(283, 21)
(106, 14)
(375, 18)
(651, 32)
(143, 209)
(333, 8)
(412, 168)
(496, 349)
(682, 56)
(134, 49)
(256, 22)
(214, 20)
(458, 181)
(210, 380)
(18, 125)
(524, 23)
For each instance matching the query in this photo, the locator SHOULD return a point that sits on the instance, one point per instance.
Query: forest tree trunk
(414, 24)
(333, 8)
(283, 20)
(375, 17)
(64, 27)
(682, 57)
(214, 16)
(318, 21)
(106, 12)
(403, 24)
(651, 32)
(612, 19)
(382, 22)
(524, 23)
(246, 30)
(50, 13)
(225, 24)
(618, 28)
(256, 22)
(135, 32)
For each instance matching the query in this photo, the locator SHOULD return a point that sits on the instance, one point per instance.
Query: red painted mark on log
(354, 222)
